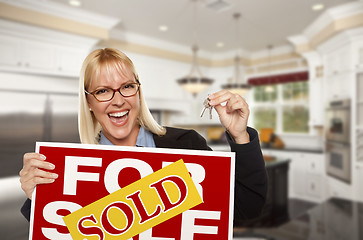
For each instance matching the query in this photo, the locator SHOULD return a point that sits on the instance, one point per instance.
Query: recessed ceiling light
(163, 28)
(75, 3)
(220, 44)
(318, 7)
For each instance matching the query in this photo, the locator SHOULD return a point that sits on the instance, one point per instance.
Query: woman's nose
(118, 99)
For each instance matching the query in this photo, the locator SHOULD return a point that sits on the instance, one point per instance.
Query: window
(282, 106)
(266, 93)
(295, 91)
(265, 118)
(295, 119)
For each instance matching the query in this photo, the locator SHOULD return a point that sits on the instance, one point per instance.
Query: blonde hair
(88, 126)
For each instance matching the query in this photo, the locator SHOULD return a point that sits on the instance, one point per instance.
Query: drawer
(360, 153)
(315, 166)
(360, 139)
(314, 185)
(315, 163)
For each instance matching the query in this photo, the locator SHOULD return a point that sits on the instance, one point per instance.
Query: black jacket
(251, 177)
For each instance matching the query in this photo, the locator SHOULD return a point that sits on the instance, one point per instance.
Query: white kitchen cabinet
(359, 146)
(316, 103)
(359, 180)
(69, 60)
(9, 48)
(338, 188)
(38, 56)
(306, 174)
(339, 69)
(26, 55)
(314, 186)
(339, 60)
(297, 179)
(338, 86)
(30, 56)
(313, 175)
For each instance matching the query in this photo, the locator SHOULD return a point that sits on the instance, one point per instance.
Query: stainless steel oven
(337, 134)
(338, 161)
(338, 121)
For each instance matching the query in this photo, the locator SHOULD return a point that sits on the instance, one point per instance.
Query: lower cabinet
(310, 178)
(359, 180)
(300, 175)
(314, 186)
(306, 177)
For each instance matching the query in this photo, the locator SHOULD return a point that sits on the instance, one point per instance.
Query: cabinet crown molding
(64, 11)
(18, 30)
(332, 15)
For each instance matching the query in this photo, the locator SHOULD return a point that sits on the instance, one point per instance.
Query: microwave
(337, 121)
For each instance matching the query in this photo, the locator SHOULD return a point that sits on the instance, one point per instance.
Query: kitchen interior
(299, 65)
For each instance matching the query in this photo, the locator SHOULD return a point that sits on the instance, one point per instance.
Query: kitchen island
(275, 211)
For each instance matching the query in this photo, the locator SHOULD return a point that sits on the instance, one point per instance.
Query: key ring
(207, 106)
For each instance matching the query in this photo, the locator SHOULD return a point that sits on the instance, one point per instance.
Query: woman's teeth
(119, 117)
(118, 114)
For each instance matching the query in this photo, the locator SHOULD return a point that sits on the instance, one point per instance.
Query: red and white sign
(88, 173)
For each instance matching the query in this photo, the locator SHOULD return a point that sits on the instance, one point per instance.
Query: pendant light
(269, 88)
(195, 82)
(236, 84)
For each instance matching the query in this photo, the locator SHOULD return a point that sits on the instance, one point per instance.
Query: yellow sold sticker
(136, 207)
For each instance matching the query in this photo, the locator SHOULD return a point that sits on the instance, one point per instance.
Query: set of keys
(207, 106)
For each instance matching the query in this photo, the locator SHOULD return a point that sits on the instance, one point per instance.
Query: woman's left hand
(233, 115)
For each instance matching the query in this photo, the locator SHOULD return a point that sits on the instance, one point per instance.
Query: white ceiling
(263, 22)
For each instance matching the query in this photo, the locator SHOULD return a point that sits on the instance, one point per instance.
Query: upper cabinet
(69, 60)
(30, 49)
(29, 56)
(9, 56)
(339, 66)
(37, 56)
(338, 61)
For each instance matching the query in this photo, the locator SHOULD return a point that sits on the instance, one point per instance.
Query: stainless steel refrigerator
(30, 116)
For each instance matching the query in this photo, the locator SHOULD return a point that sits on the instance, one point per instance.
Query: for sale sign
(135, 191)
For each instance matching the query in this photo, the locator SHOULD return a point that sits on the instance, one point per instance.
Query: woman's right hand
(33, 174)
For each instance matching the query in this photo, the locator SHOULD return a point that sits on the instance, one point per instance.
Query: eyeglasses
(106, 94)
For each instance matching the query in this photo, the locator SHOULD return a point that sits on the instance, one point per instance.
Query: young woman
(113, 111)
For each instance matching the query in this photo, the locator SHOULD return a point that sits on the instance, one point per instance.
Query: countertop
(334, 219)
(225, 147)
(305, 150)
(276, 161)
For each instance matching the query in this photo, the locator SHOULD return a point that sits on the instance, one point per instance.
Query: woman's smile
(119, 118)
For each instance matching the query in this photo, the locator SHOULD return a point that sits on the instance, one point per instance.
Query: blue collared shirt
(144, 139)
